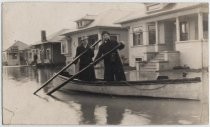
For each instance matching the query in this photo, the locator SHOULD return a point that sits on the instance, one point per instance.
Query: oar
(91, 64)
(67, 66)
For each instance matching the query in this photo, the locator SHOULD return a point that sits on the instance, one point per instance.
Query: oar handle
(67, 66)
(91, 64)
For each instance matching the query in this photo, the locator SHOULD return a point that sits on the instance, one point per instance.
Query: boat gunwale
(127, 83)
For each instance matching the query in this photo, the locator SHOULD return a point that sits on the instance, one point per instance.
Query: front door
(170, 35)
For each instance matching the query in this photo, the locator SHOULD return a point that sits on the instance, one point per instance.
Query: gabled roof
(169, 8)
(20, 45)
(104, 19)
(55, 37)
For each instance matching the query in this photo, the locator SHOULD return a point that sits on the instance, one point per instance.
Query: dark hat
(105, 32)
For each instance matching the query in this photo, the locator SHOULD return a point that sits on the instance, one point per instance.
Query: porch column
(156, 33)
(145, 35)
(130, 37)
(177, 29)
(156, 36)
(130, 44)
(200, 26)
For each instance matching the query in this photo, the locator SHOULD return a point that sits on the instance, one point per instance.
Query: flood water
(20, 106)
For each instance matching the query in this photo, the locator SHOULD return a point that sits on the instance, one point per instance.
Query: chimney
(43, 36)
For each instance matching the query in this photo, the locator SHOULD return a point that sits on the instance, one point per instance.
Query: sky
(24, 21)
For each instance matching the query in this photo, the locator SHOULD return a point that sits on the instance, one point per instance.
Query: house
(168, 35)
(48, 50)
(92, 26)
(16, 54)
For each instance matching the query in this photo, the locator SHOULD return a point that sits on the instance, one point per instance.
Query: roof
(20, 45)
(104, 19)
(55, 37)
(87, 17)
(143, 14)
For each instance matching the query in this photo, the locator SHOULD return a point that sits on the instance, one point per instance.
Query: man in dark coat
(85, 60)
(113, 68)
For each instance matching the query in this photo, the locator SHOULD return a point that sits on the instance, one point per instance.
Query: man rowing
(113, 68)
(85, 60)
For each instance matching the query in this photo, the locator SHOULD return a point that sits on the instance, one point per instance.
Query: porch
(164, 43)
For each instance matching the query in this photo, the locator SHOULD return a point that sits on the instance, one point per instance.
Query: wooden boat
(186, 88)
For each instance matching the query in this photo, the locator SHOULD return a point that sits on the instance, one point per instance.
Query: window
(137, 38)
(152, 34)
(205, 29)
(184, 30)
(14, 55)
(83, 23)
(138, 59)
(114, 37)
(79, 24)
(47, 54)
(64, 47)
(38, 54)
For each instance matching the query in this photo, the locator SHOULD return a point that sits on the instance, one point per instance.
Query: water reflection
(31, 73)
(114, 115)
(87, 114)
(133, 111)
(80, 108)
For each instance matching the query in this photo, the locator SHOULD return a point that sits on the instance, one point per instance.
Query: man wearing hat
(85, 60)
(113, 68)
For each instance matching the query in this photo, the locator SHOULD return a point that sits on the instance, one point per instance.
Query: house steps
(162, 60)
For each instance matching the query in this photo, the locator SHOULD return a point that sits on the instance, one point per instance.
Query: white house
(16, 54)
(92, 26)
(166, 35)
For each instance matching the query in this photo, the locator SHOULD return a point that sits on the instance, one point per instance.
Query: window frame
(14, 56)
(64, 43)
(138, 36)
(48, 55)
(186, 29)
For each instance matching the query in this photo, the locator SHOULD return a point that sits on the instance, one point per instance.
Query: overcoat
(84, 61)
(113, 68)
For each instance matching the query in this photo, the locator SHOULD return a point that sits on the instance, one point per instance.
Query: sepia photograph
(105, 63)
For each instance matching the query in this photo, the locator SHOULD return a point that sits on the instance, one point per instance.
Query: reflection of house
(92, 26)
(168, 35)
(16, 54)
(48, 50)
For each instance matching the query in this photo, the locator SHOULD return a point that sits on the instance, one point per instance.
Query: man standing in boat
(85, 60)
(113, 68)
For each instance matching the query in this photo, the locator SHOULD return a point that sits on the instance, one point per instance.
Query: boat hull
(186, 89)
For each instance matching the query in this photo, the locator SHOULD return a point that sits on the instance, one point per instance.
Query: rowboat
(186, 88)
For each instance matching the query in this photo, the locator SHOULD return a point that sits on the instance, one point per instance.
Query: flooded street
(20, 106)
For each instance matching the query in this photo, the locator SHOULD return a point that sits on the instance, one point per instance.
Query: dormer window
(79, 24)
(83, 23)
(154, 7)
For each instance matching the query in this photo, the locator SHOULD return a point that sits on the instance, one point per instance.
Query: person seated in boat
(85, 60)
(113, 67)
